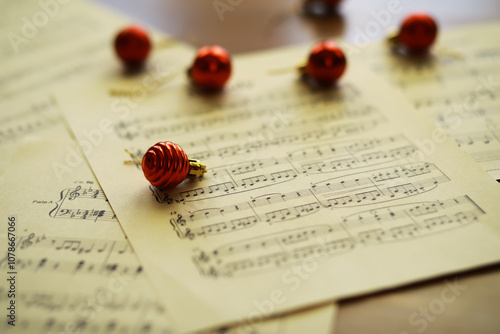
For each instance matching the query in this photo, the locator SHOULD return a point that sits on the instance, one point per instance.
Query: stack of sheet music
(310, 196)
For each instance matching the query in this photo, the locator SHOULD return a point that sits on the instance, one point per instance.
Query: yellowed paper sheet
(74, 269)
(457, 87)
(310, 195)
(75, 272)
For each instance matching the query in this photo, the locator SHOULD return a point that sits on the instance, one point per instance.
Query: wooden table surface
(252, 25)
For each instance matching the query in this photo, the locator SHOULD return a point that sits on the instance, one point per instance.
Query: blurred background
(251, 25)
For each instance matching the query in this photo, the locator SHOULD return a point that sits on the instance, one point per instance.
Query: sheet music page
(69, 235)
(47, 43)
(310, 195)
(75, 270)
(457, 87)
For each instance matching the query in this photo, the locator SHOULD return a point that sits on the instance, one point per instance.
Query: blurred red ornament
(165, 165)
(321, 7)
(326, 63)
(327, 2)
(418, 32)
(211, 68)
(132, 45)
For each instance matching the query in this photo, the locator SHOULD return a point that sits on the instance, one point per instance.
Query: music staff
(75, 267)
(256, 174)
(83, 246)
(365, 188)
(71, 197)
(237, 111)
(367, 228)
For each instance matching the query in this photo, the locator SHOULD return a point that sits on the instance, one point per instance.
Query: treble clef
(167, 199)
(179, 221)
(27, 242)
(74, 194)
(189, 234)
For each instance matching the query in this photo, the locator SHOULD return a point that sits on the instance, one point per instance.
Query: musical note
(404, 232)
(69, 244)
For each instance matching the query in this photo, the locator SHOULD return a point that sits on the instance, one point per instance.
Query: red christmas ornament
(326, 63)
(132, 45)
(321, 7)
(418, 32)
(165, 165)
(211, 68)
(332, 3)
